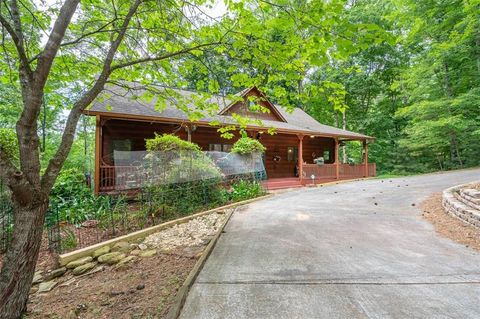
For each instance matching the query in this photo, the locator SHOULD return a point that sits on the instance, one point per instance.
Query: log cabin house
(123, 122)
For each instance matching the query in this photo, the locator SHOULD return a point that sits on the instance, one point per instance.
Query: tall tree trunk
(453, 138)
(456, 150)
(19, 265)
(439, 163)
(344, 126)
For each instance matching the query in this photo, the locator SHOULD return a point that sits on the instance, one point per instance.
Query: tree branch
(32, 94)
(18, 44)
(15, 179)
(81, 37)
(163, 57)
(55, 164)
(45, 60)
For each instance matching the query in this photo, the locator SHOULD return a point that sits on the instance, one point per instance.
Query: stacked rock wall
(463, 202)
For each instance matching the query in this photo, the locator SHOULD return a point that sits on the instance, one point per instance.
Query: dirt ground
(449, 226)
(141, 289)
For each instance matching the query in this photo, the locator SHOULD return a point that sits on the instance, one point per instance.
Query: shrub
(245, 189)
(169, 143)
(69, 240)
(247, 145)
(73, 199)
(184, 179)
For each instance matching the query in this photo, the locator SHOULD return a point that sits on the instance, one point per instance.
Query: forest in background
(418, 93)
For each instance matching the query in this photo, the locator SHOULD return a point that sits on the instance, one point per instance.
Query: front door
(281, 155)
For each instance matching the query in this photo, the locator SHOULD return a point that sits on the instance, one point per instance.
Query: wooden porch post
(300, 157)
(365, 151)
(98, 152)
(337, 161)
(189, 128)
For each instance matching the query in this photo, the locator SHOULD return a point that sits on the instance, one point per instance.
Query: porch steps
(280, 183)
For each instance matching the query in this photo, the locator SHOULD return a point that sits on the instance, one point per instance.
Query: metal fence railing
(120, 214)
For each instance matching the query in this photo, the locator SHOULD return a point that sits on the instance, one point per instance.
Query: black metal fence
(124, 213)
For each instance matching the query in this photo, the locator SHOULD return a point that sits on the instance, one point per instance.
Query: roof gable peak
(237, 106)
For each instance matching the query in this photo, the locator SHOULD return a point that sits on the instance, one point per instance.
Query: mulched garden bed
(142, 289)
(449, 226)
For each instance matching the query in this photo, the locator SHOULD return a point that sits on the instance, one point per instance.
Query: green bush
(244, 189)
(170, 201)
(247, 145)
(169, 143)
(182, 186)
(74, 200)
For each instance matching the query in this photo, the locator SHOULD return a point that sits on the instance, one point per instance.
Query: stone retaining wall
(463, 202)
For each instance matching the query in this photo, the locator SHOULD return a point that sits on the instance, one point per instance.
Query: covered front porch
(290, 160)
(322, 174)
(310, 174)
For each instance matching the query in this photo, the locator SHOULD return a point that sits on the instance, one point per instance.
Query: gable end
(241, 107)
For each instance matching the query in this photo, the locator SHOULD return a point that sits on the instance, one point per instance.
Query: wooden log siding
(135, 131)
(276, 145)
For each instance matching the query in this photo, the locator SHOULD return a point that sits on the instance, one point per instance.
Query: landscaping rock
(90, 223)
(83, 268)
(126, 260)
(143, 247)
(122, 246)
(191, 233)
(192, 251)
(79, 262)
(135, 252)
(37, 278)
(101, 251)
(111, 258)
(55, 273)
(46, 286)
(148, 253)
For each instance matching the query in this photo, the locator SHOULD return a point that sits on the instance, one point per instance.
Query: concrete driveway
(330, 252)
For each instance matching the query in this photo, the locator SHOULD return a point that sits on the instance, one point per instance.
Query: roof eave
(207, 123)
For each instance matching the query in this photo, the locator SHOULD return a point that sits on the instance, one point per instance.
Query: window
(292, 154)
(220, 147)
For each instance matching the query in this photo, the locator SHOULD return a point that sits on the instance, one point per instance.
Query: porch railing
(114, 178)
(118, 178)
(346, 171)
(326, 171)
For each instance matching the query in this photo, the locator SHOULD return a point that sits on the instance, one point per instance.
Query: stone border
(182, 293)
(455, 205)
(87, 251)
